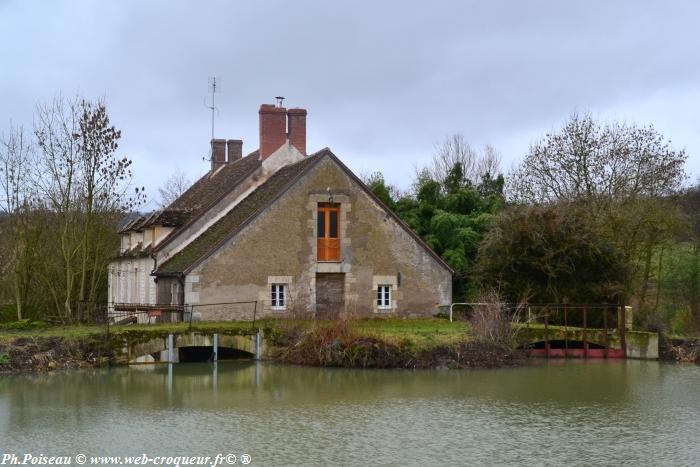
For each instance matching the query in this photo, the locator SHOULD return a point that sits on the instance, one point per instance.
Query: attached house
(288, 231)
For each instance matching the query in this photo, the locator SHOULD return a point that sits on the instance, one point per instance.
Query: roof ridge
(208, 190)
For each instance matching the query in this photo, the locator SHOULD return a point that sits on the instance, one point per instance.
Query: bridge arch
(192, 345)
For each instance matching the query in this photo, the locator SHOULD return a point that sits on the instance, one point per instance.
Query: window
(278, 295)
(175, 293)
(328, 244)
(384, 297)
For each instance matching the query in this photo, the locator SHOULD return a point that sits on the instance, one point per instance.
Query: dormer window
(328, 244)
(125, 243)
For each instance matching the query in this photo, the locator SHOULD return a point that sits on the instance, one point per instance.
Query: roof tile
(235, 219)
(206, 191)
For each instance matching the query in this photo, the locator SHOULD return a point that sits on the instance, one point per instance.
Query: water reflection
(247, 384)
(277, 412)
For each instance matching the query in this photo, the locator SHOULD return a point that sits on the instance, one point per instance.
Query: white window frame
(275, 290)
(384, 296)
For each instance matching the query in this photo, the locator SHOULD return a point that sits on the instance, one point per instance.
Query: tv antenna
(213, 87)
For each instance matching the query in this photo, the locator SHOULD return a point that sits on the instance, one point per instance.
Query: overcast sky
(383, 83)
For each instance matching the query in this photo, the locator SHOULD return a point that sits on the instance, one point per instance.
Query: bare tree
(623, 175)
(15, 152)
(474, 164)
(598, 163)
(489, 163)
(103, 192)
(173, 187)
(83, 186)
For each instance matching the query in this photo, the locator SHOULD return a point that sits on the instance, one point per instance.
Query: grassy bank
(368, 343)
(386, 343)
(424, 333)
(79, 332)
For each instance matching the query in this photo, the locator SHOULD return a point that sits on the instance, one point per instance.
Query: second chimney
(296, 122)
(273, 129)
(218, 153)
(235, 149)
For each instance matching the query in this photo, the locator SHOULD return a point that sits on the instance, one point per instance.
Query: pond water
(547, 413)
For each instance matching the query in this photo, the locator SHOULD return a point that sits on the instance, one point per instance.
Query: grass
(422, 332)
(67, 332)
(78, 332)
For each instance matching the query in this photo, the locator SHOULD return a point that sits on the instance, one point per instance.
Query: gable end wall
(281, 241)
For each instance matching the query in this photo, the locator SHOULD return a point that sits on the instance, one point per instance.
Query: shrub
(7, 313)
(491, 319)
(339, 343)
(22, 325)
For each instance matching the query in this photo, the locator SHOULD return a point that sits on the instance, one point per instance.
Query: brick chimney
(218, 153)
(273, 129)
(235, 149)
(296, 123)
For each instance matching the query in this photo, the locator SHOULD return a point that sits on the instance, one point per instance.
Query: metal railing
(144, 314)
(224, 311)
(121, 314)
(585, 320)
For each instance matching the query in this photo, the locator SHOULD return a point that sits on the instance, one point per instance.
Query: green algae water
(547, 413)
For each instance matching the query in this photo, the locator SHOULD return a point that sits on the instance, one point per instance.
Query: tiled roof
(137, 251)
(130, 224)
(205, 192)
(249, 208)
(238, 216)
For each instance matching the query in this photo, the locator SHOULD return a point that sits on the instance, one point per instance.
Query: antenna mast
(212, 107)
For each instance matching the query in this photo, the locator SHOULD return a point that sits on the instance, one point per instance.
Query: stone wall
(281, 243)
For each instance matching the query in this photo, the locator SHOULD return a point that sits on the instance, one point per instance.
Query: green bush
(7, 313)
(4, 358)
(22, 325)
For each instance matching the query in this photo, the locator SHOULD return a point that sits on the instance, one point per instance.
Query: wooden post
(546, 332)
(622, 324)
(605, 329)
(585, 333)
(527, 332)
(566, 333)
(255, 311)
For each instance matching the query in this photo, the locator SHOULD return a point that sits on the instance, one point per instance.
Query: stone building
(288, 231)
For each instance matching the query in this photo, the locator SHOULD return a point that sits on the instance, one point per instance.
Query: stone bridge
(148, 348)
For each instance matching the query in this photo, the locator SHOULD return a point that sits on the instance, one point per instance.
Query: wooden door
(330, 295)
(328, 232)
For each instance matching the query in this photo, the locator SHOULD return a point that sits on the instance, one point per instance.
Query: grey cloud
(383, 81)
